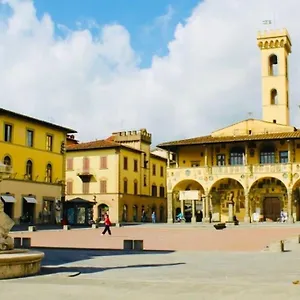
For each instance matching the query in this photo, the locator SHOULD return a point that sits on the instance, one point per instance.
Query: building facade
(250, 169)
(35, 151)
(119, 175)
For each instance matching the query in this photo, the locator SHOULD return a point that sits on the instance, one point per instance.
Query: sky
(179, 68)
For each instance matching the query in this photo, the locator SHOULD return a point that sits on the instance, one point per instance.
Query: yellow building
(35, 151)
(120, 175)
(249, 169)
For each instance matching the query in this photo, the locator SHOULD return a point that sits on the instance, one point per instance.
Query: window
(135, 165)
(29, 138)
(145, 180)
(273, 65)
(125, 186)
(49, 173)
(267, 155)
(85, 187)
(69, 164)
(153, 169)
(85, 165)
(135, 187)
(7, 160)
(49, 142)
(103, 186)
(125, 163)
(103, 162)
(161, 171)
(221, 160)
(274, 97)
(283, 157)
(236, 157)
(195, 164)
(162, 191)
(29, 169)
(69, 187)
(8, 131)
(154, 190)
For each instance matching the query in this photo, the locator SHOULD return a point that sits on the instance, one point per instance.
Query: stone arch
(186, 185)
(296, 197)
(273, 65)
(223, 192)
(266, 45)
(267, 197)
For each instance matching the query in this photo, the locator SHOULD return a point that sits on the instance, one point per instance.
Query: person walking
(153, 217)
(107, 225)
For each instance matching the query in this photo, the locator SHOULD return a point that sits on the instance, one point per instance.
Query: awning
(8, 198)
(30, 200)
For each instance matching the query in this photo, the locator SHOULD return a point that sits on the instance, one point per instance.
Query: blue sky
(141, 18)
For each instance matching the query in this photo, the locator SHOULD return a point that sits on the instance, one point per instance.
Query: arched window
(49, 173)
(236, 156)
(267, 154)
(273, 65)
(124, 214)
(7, 160)
(29, 169)
(274, 97)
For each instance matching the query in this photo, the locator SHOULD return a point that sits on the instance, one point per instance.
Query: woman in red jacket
(107, 225)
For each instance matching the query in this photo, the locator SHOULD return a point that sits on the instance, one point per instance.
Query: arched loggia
(224, 193)
(192, 209)
(267, 198)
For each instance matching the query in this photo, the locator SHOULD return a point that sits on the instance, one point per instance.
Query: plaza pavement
(179, 237)
(116, 275)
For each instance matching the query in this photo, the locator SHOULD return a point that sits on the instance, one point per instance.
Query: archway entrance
(267, 196)
(186, 206)
(226, 200)
(102, 210)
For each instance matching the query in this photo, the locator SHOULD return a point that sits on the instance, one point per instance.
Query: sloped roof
(98, 144)
(208, 139)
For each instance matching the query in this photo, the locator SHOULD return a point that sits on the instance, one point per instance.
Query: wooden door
(272, 208)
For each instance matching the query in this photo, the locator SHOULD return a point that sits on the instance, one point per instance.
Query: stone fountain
(14, 262)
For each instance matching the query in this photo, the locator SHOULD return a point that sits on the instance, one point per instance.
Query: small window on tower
(274, 97)
(273, 65)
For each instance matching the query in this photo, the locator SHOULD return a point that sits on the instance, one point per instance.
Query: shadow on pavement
(89, 270)
(56, 257)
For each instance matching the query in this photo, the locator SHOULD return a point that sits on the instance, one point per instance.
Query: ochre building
(35, 151)
(250, 169)
(118, 175)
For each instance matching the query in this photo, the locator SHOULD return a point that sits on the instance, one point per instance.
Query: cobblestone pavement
(78, 274)
(166, 237)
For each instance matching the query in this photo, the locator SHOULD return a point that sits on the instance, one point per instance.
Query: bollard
(282, 246)
(31, 228)
(138, 245)
(66, 227)
(26, 243)
(95, 226)
(127, 244)
(17, 242)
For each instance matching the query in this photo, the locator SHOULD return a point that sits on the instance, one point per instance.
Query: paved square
(77, 274)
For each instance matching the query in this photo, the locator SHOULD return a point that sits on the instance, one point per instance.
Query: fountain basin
(19, 263)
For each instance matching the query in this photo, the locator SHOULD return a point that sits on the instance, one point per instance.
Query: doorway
(272, 208)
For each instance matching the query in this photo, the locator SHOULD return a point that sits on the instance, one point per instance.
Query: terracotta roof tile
(208, 139)
(99, 144)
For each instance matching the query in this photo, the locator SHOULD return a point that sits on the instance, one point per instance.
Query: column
(246, 155)
(193, 211)
(290, 206)
(205, 209)
(205, 157)
(247, 217)
(170, 208)
(177, 159)
(182, 206)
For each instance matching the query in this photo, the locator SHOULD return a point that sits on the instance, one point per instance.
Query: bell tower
(275, 46)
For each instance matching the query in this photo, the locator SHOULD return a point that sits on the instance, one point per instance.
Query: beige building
(249, 170)
(119, 175)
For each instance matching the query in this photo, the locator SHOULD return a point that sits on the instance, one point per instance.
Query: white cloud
(210, 78)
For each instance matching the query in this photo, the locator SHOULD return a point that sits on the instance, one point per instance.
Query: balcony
(201, 172)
